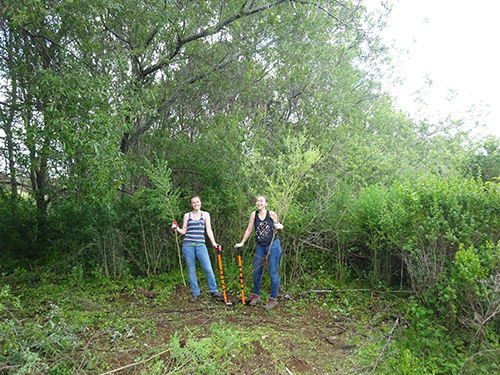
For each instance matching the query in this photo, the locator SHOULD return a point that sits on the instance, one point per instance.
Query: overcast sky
(448, 44)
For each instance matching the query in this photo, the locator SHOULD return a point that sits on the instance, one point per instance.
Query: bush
(429, 219)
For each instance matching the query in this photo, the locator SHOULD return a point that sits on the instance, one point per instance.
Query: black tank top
(264, 229)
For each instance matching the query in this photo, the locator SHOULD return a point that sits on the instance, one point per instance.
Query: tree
(56, 103)
(486, 161)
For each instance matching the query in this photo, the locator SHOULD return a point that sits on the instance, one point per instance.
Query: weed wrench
(241, 276)
(219, 251)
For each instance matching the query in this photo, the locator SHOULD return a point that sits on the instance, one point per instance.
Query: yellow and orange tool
(219, 251)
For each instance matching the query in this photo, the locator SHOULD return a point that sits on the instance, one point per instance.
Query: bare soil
(301, 335)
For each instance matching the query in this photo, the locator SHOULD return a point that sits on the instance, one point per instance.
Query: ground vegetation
(115, 112)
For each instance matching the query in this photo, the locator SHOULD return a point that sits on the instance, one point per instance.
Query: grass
(69, 326)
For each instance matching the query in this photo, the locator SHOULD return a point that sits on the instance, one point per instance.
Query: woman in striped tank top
(194, 226)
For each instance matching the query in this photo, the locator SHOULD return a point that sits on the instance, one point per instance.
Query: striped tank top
(195, 233)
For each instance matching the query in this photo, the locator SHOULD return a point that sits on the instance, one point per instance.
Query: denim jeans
(190, 253)
(273, 260)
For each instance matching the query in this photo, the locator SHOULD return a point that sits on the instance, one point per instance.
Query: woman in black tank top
(265, 224)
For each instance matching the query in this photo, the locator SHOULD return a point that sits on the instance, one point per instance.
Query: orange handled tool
(219, 250)
(241, 276)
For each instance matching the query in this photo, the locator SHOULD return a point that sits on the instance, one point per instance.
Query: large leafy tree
(165, 52)
(57, 123)
(83, 81)
(170, 62)
(93, 90)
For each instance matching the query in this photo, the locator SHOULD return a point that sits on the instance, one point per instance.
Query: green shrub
(429, 219)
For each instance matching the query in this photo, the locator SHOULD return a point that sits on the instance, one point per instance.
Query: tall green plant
(160, 178)
(365, 217)
(285, 172)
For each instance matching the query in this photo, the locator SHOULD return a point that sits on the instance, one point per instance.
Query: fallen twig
(12, 315)
(9, 367)
(181, 311)
(136, 363)
(362, 346)
(337, 344)
(385, 347)
(84, 360)
(472, 357)
(359, 290)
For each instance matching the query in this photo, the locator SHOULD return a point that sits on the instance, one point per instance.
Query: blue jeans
(190, 253)
(259, 261)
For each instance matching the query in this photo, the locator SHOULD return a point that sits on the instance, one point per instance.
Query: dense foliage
(114, 112)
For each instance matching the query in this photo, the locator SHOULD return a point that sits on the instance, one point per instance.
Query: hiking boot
(194, 298)
(216, 295)
(255, 300)
(271, 303)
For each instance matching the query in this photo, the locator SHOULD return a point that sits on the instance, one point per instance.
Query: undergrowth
(80, 324)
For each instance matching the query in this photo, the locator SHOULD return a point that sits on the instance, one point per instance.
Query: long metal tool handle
(241, 277)
(219, 250)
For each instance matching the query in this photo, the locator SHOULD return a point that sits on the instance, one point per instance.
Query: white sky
(454, 43)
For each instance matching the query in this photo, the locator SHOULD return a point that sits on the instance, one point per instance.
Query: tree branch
(117, 36)
(360, 290)
(327, 12)
(209, 31)
(167, 104)
(385, 347)
(136, 363)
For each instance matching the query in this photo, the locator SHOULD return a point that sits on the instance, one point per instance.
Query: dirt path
(299, 336)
